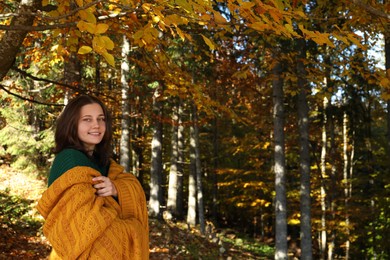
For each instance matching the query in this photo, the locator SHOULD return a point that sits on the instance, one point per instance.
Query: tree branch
(28, 75)
(28, 99)
(371, 9)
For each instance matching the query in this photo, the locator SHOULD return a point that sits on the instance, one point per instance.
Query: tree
(12, 40)
(156, 171)
(173, 170)
(195, 161)
(125, 159)
(279, 167)
(303, 124)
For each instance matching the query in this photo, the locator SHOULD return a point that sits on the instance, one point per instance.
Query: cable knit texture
(81, 225)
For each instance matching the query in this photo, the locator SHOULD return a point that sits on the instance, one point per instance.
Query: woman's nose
(95, 124)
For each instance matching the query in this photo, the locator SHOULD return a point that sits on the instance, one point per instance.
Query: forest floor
(21, 234)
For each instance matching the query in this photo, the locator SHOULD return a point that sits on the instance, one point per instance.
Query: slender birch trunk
(332, 192)
(191, 211)
(125, 159)
(156, 170)
(173, 173)
(323, 238)
(180, 164)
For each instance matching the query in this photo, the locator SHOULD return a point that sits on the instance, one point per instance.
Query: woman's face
(91, 126)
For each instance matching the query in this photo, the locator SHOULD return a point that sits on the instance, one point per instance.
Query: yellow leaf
(86, 27)
(146, 7)
(180, 33)
(87, 16)
(79, 3)
(259, 26)
(72, 41)
(247, 5)
(101, 28)
(184, 4)
(355, 41)
(84, 50)
(341, 38)
(109, 58)
(138, 35)
(219, 18)
(108, 43)
(208, 42)
(278, 4)
(156, 18)
(98, 44)
(289, 28)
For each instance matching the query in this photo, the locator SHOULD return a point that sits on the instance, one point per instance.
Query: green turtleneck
(68, 159)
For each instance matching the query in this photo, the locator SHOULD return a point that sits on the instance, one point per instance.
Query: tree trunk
(303, 124)
(332, 192)
(324, 155)
(12, 40)
(191, 210)
(173, 173)
(156, 171)
(137, 135)
(346, 183)
(214, 174)
(180, 165)
(279, 167)
(198, 169)
(322, 242)
(126, 119)
(387, 64)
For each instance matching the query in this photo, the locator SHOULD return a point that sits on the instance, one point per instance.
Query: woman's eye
(101, 119)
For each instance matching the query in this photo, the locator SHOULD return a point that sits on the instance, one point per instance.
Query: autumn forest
(269, 118)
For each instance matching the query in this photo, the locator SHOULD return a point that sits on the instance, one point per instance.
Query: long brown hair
(66, 134)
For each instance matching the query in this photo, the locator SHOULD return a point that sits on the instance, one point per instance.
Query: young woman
(92, 208)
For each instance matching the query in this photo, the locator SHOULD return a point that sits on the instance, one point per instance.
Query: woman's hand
(104, 187)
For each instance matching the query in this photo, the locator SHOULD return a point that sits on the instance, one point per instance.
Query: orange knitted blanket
(81, 225)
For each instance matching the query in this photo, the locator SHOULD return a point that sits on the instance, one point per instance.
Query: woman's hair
(66, 134)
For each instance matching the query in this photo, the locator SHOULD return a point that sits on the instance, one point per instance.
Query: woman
(92, 208)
